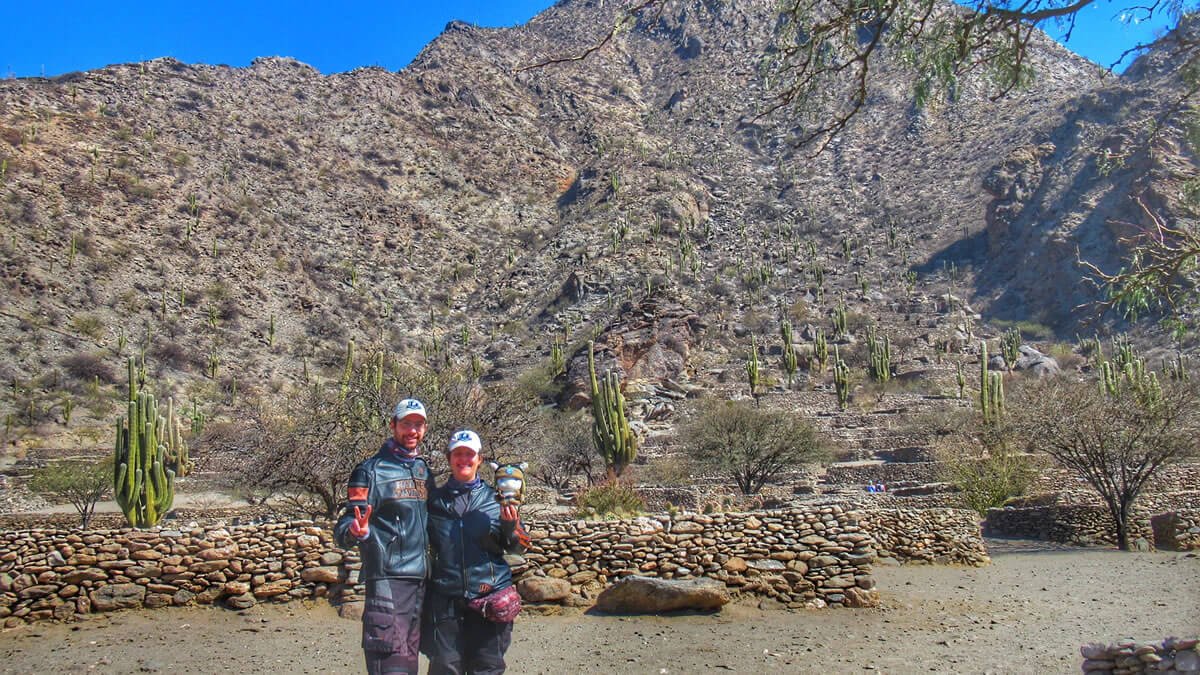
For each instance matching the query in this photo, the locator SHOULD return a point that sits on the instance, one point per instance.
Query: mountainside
(242, 225)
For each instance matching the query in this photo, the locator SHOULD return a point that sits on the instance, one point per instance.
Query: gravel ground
(1026, 613)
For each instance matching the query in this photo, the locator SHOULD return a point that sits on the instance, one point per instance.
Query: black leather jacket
(468, 550)
(396, 488)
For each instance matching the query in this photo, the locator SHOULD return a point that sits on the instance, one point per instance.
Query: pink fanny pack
(501, 606)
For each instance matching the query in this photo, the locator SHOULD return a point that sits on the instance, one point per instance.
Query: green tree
(81, 483)
(751, 445)
(985, 467)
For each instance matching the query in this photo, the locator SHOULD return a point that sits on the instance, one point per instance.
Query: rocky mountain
(242, 225)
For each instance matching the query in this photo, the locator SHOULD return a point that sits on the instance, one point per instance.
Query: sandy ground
(1026, 613)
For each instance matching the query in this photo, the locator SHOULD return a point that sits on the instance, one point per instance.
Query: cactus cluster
(1010, 346)
(841, 379)
(880, 352)
(1133, 375)
(611, 433)
(148, 454)
(1177, 368)
(991, 389)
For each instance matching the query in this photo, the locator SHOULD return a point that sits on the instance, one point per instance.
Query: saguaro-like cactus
(149, 453)
(820, 351)
(841, 379)
(881, 356)
(1010, 346)
(143, 485)
(790, 361)
(841, 326)
(611, 433)
(991, 389)
(752, 373)
(178, 459)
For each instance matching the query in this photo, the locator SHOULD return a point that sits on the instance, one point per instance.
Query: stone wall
(1082, 524)
(809, 556)
(1083, 520)
(54, 574)
(1180, 477)
(862, 474)
(814, 557)
(935, 535)
(1177, 530)
(1172, 655)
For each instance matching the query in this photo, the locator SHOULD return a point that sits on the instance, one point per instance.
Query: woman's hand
(508, 512)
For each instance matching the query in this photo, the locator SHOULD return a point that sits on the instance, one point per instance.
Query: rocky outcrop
(1013, 183)
(648, 345)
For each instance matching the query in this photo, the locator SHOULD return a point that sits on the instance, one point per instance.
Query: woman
(472, 602)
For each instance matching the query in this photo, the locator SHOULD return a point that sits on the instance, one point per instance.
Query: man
(473, 602)
(386, 518)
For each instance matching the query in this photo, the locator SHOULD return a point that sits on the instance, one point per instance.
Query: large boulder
(649, 595)
(117, 596)
(544, 589)
(1036, 362)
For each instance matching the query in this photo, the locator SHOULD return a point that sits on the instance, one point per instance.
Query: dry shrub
(86, 366)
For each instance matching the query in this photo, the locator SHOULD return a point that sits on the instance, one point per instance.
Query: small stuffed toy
(510, 482)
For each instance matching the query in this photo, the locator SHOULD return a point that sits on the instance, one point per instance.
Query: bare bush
(1114, 439)
(751, 445)
(307, 444)
(561, 452)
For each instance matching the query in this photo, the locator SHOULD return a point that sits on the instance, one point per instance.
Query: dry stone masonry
(814, 556)
(55, 574)
(1172, 655)
(939, 536)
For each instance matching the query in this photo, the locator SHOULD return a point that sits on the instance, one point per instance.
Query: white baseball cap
(409, 406)
(465, 439)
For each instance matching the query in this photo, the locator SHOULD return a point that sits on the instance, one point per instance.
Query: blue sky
(53, 37)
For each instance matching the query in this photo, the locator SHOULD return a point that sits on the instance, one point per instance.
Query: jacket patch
(407, 488)
(358, 494)
(485, 588)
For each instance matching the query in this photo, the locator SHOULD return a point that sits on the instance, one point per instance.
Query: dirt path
(1028, 612)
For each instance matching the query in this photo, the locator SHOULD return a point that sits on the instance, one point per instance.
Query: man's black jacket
(397, 488)
(468, 549)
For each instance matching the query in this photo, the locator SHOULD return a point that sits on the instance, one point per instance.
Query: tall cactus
(820, 351)
(790, 361)
(149, 454)
(752, 372)
(881, 356)
(841, 379)
(841, 327)
(177, 457)
(610, 428)
(991, 389)
(143, 485)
